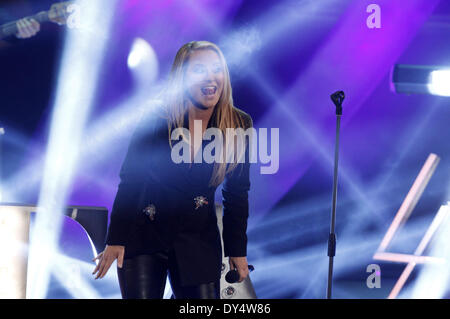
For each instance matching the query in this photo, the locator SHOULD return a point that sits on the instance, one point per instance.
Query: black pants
(144, 277)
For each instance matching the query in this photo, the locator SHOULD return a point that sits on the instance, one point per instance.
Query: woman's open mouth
(209, 90)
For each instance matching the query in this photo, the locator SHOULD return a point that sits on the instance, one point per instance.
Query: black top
(149, 176)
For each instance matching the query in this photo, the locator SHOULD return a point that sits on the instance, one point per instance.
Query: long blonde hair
(226, 114)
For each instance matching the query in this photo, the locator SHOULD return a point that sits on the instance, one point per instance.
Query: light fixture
(421, 79)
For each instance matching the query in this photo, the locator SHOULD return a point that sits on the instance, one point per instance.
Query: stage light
(76, 86)
(140, 52)
(421, 79)
(143, 63)
(439, 82)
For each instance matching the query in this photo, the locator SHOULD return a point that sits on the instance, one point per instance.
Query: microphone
(232, 276)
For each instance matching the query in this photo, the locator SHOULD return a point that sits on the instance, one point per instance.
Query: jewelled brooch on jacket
(150, 211)
(200, 201)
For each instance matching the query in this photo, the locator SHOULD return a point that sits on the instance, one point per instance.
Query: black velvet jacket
(149, 176)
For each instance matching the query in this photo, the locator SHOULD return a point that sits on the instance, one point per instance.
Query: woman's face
(204, 78)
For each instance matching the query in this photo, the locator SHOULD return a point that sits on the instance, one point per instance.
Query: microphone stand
(337, 99)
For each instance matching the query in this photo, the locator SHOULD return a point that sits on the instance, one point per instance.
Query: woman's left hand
(240, 263)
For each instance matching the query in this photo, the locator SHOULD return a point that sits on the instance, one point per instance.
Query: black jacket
(149, 176)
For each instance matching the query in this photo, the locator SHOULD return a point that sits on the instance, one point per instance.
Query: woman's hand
(27, 28)
(107, 257)
(240, 263)
(58, 12)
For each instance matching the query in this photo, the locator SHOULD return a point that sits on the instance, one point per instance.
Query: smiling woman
(163, 218)
(199, 66)
(204, 78)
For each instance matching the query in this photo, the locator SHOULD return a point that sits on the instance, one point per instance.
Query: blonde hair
(226, 114)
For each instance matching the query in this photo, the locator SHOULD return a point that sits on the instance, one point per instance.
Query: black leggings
(144, 277)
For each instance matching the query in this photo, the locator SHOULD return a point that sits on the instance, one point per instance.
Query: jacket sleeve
(132, 183)
(235, 206)
(6, 18)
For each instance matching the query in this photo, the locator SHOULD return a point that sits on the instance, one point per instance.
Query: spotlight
(421, 79)
(140, 51)
(439, 83)
(143, 61)
(75, 91)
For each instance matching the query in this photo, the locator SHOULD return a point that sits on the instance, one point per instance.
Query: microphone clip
(338, 98)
